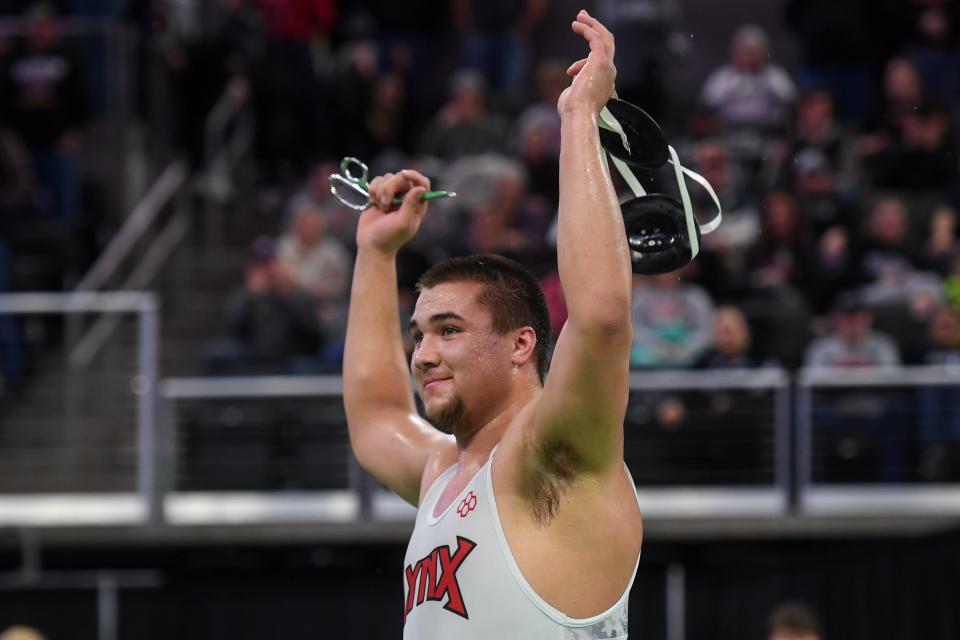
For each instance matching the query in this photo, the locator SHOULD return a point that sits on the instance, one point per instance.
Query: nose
(425, 354)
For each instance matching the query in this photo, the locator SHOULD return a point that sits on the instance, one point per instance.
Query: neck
(475, 445)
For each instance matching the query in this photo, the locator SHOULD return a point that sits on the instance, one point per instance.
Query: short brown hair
(511, 293)
(795, 620)
(19, 632)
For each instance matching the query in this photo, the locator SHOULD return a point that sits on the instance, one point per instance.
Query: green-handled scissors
(350, 186)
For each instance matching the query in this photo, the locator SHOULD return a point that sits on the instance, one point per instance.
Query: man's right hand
(385, 227)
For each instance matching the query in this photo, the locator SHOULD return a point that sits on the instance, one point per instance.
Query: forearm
(594, 261)
(375, 374)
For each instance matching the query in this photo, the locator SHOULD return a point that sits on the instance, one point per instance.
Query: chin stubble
(447, 418)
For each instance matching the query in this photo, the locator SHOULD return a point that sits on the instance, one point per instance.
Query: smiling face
(462, 367)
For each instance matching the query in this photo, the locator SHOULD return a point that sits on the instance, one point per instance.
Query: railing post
(676, 602)
(782, 447)
(108, 606)
(803, 450)
(145, 387)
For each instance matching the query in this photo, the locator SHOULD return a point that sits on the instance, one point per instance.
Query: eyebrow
(437, 317)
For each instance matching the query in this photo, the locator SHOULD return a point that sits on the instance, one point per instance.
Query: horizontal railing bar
(879, 376)
(59, 509)
(80, 579)
(306, 386)
(252, 386)
(78, 302)
(763, 378)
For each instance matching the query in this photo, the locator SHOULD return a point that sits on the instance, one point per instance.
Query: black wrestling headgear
(662, 233)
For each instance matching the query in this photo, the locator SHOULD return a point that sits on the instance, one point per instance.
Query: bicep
(395, 448)
(585, 396)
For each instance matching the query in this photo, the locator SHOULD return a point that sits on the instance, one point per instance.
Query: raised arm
(388, 437)
(585, 395)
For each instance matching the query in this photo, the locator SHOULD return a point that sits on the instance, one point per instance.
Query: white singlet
(461, 580)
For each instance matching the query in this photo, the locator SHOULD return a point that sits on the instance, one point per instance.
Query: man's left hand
(593, 76)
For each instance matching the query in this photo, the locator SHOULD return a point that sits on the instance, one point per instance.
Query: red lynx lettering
(435, 576)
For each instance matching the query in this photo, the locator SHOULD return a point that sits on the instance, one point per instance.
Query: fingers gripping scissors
(351, 188)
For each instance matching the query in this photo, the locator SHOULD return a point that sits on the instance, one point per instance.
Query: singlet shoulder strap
(430, 497)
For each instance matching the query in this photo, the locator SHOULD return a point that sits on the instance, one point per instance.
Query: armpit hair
(555, 468)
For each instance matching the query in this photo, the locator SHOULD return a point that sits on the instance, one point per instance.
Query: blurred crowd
(838, 175)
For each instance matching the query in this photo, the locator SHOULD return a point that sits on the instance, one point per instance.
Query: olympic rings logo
(467, 505)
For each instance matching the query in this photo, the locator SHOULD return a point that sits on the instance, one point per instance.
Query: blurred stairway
(75, 430)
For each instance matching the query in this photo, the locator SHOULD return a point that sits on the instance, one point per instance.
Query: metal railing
(343, 503)
(362, 497)
(274, 450)
(862, 443)
(100, 508)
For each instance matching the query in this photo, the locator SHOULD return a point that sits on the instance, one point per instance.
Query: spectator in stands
(317, 263)
(941, 244)
(731, 341)
(750, 92)
(778, 266)
(934, 54)
(821, 202)
(387, 123)
(793, 621)
(672, 321)
(837, 49)
(902, 93)
(273, 322)
(315, 191)
(536, 131)
(723, 251)
(922, 157)
(494, 36)
(463, 126)
(551, 80)
(887, 265)
(43, 95)
(851, 341)
(886, 254)
(712, 160)
(816, 128)
(943, 337)
(779, 256)
(510, 222)
(540, 160)
(830, 270)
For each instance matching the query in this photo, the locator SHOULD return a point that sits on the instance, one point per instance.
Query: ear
(525, 340)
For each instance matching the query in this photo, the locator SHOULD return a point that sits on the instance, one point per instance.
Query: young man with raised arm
(528, 525)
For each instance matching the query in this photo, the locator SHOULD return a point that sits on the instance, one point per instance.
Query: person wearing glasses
(528, 524)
